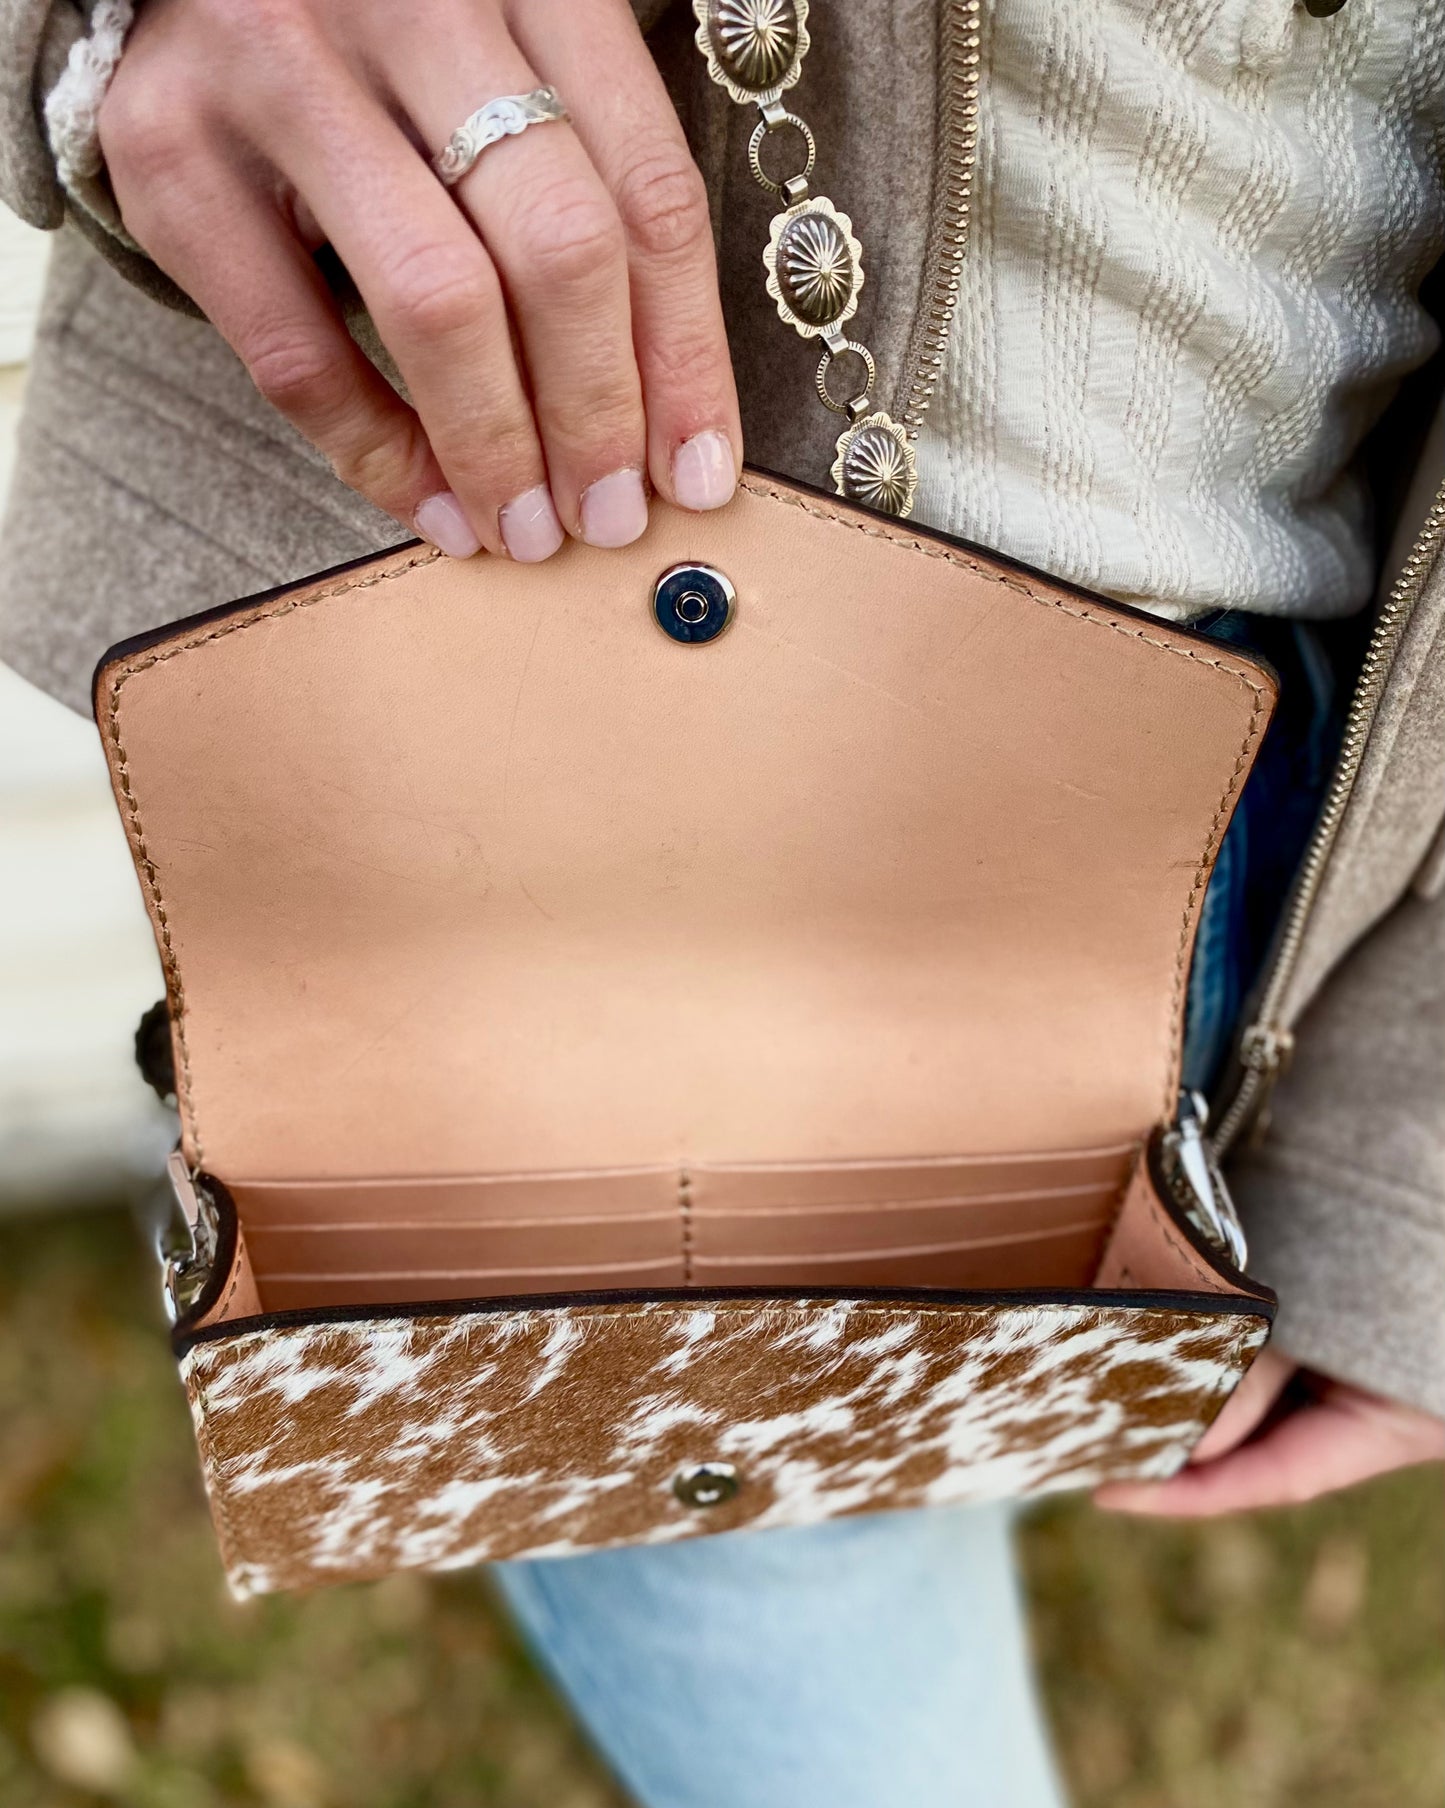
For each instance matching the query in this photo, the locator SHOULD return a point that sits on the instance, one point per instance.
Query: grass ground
(1289, 1661)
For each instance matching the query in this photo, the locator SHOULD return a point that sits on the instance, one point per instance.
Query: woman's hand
(555, 316)
(1338, 1435)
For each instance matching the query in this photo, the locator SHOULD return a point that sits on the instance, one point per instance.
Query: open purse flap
(514, 947)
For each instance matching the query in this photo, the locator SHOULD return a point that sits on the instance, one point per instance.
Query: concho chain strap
(755, 49)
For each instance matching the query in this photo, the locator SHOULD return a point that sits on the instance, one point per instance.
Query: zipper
(1267, 1042)
(952, 200)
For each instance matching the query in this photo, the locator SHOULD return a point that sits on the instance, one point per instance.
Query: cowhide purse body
(640, 1080)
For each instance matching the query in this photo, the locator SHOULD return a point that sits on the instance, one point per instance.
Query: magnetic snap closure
(693, 603)
(706, 1484)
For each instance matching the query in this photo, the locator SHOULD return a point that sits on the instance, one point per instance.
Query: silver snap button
(706, 1484)
(692, 603)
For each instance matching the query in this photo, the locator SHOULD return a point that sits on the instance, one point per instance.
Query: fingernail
(440, 519)
(704, 472)
(614, 509)
(530, 528)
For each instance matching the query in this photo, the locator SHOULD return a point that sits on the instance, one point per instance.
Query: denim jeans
(882, 1662)
(878, 1662)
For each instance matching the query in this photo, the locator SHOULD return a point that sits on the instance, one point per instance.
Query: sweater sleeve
(36, 37)
(1344, 1202)
(35, 40)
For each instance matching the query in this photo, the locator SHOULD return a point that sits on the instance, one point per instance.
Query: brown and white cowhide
(340, 1451)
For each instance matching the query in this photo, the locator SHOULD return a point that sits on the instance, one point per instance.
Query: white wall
(77, 963)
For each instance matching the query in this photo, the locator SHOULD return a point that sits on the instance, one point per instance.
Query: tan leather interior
(515, 947)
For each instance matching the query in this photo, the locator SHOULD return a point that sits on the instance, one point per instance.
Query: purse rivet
(692, 603)
(706, 1484)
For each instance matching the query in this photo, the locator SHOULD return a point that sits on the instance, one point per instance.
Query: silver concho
(875, 466)
(815, 266)
(754, 48)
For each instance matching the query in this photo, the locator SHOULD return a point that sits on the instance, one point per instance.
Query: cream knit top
(1198, 231)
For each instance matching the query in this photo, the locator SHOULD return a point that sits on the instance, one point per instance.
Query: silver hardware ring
(501, 118)
(858, 404)
(794, 186)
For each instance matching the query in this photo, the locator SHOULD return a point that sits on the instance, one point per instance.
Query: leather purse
(681, 1039)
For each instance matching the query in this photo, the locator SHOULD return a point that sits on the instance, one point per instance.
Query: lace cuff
(72, 113)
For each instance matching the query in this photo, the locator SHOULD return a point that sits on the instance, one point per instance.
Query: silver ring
(501, 118)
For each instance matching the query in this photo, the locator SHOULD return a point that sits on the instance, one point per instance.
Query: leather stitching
(949, 556)
(1176, 1243)
(1190, 1260)
(150, 879)
(684, 1208)
(224, 1306)
(876, 531)
(150, 876)
(871, 530)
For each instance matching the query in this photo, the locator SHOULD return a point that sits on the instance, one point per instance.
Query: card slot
(287, 1292)
(946, 1201)
(1067, 1258)
(391, 1249)
(923, 1163)
(425, 1226)
(591, 1177)
(863, 1183)
(923, 1227)
(902, 1252)
(541, 1197)
(450, 1273)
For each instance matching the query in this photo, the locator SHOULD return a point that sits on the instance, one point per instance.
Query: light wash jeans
(878, 1662)
(882, 1662)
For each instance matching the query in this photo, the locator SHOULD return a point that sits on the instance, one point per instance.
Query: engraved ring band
(498, 119)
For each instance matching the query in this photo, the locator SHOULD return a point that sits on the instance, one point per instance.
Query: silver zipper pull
(1198, 1186)
(1265, 1050)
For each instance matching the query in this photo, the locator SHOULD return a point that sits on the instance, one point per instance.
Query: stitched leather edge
(150, 875)
(1007, 580)
(763, 491)
(1082, 612)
